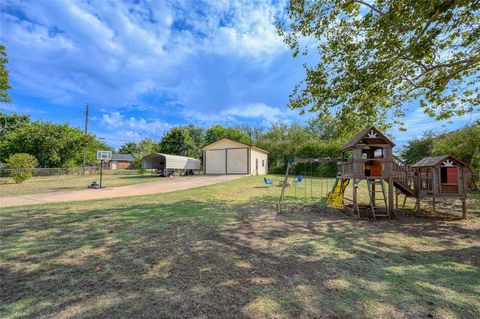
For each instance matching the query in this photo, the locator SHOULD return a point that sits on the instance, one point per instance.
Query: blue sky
(147, 66)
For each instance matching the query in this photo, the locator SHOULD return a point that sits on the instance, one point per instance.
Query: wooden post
(464, 209)
(284, 185)
(418, 205)
(391, 210)
(433, 205)
(373, 194)
(354, 195)
(396, 200)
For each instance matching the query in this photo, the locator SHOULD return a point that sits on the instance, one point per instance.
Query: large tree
(129, 148)
(178, 141)
(418, 148)
(54, 145)
(218, 132)
(9, 123)
(376, 55)
(147, 146)
(4, 86)
(463, 143)
(254, 133)
(283, 141)
(197, 134)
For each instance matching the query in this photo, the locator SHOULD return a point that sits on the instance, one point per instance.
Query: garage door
(215, 162)
(237, 161)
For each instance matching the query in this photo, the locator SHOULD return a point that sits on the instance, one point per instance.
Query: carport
(161, 161)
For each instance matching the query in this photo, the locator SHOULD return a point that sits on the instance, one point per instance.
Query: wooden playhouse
(369, 156)
(440, 177)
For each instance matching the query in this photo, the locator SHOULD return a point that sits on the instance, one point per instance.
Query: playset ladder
(372, 191)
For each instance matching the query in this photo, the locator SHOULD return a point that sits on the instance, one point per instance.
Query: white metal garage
(230, 157)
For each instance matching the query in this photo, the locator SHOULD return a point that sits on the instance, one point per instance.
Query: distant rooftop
(123, 157)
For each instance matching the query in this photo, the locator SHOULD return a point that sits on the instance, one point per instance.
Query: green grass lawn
(62, 183)
(222, 251)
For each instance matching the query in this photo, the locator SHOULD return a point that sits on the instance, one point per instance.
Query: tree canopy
(376, 55)
(218, 132)
(9, 123)
(418, 148)
(178, 141)
(54, 145)
(4, 85)
(463, 143)
(129, 148)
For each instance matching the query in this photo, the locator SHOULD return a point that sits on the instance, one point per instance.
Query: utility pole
(85, 139)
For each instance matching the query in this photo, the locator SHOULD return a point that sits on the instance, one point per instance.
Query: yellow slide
(335, 197)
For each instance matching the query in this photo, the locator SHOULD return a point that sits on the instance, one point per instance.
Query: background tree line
(60, 145)
(53, 145)
(463, 144)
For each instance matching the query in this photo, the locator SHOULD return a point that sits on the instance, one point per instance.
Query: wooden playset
(368, 157)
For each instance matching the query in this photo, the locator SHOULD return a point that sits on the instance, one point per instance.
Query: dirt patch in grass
(184, 257)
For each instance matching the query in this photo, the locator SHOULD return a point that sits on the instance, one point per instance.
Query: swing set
(302, 178)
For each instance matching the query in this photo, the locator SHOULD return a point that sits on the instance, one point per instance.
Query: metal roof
(360, 136)
(170, 161)
(122, 157)
(435, 160)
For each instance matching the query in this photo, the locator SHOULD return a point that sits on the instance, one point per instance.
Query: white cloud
(113, 120)
(258, 112)
(129, 126)
(112, 53)
(417, 123)
(20, 109)
(251, 31)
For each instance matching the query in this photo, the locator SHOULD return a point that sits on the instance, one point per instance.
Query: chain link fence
(5, 172)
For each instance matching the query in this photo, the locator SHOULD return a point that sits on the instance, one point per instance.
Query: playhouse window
(347, 155)
(448, 175)
(378, 152)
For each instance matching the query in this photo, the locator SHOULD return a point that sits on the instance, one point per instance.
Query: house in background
(226, 156)
(121, 161)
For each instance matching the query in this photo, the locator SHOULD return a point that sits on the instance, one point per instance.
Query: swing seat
(298, 179)
(268, 181)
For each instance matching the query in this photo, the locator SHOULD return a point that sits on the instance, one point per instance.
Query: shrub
(137, 164)
(21, 166)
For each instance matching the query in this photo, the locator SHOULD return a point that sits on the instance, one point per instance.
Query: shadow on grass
(138, 176)
(221, 259)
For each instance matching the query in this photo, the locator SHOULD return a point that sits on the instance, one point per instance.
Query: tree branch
(467, 62)
(370, 6)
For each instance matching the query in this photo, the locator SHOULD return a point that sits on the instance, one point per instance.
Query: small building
(226, 156)
(441, 175)
(121, 161)
(171, 163)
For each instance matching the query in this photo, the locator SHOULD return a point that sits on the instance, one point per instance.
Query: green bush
(277, 169)
(21, 166)
(137, 164)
